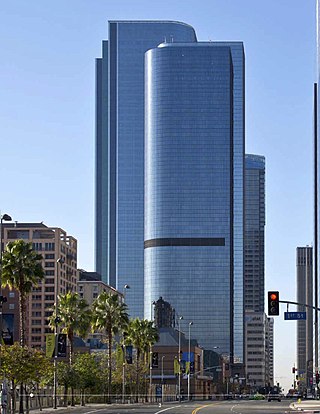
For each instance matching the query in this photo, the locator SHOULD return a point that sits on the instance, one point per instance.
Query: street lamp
(189, 358)
(162, 358)
(125, 287)
(153, 303)
(150, 368)
(4, 217)
(179, 358)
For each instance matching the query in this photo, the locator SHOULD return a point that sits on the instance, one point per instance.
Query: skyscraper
(121, 119)
(305, 327)
(254, 232)
(256, 351)
(120, 150)
(190, 191)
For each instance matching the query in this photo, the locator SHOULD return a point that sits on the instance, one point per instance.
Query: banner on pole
(50, 345)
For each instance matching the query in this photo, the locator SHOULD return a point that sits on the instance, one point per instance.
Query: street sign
(291, 316)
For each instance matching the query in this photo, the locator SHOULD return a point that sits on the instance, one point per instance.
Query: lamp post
(60, 262)
(179, 359)
(125, 287)
(150, 368)
(162, 379)
(189, 358)
(4, 217)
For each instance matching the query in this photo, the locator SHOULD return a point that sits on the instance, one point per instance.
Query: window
(11, 294)
(36, 322)
(36, 297)
(49, 246)
(49, 272)
(36, 314)
(49, 256)
(49, 281)
(36, 338)
(49, 289)
(18, 234)
(95, 295)
(49, 264)
(49, 297)
(37, 246)
(11, 306)
(36, 330)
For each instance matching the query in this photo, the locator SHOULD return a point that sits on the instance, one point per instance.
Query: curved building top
(175, 22)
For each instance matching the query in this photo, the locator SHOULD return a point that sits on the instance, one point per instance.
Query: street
(204, 407)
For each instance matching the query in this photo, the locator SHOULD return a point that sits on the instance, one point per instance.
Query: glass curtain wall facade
(305, 328)
(120, 151)
(189, 195)
(238, 60)
(254, 233)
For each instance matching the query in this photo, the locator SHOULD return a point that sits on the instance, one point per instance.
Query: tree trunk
(21, 411)
(13, 397)
(137, 375)
(22, 308)
(22, 313)
(39, 398)
(70, 338)
(65, 395)
(109, 365)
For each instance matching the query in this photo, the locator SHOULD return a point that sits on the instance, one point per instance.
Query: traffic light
(273, 303)
(317, 378)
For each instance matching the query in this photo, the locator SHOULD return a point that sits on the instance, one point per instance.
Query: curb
(306, 410)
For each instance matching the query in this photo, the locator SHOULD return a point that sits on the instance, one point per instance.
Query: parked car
(274, 396)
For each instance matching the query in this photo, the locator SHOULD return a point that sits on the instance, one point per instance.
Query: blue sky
(47, 72)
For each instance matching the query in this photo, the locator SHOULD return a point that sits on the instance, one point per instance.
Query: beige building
(59, 253)
(90, 285)
(255, 348)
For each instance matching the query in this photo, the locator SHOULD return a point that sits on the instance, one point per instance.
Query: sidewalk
(67, 410)
(307, 406)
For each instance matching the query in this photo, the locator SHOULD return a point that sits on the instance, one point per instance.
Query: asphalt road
(209, 407)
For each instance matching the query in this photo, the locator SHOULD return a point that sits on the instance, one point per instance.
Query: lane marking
(200, 408)
(166, 409)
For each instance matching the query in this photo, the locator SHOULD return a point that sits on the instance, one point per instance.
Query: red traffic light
(273, 303)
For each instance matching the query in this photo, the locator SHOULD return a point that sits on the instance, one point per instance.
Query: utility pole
(316, 328)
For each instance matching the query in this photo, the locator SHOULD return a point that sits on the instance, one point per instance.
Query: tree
(86, 372)
(109, 315)
(23, 365)
(21, 269)
(141, 334)
(73, 315)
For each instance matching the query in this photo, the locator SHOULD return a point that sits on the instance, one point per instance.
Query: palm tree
(21, 269)
(73, 314)
(141, 335)
(109, 315)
